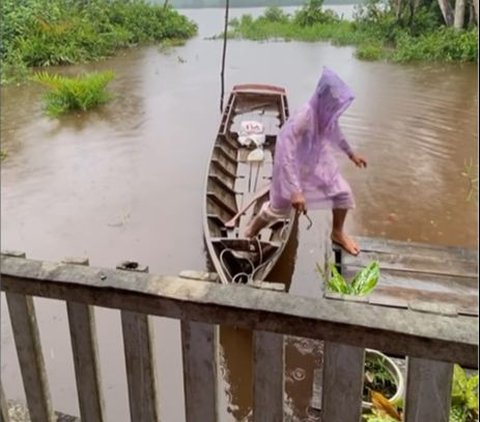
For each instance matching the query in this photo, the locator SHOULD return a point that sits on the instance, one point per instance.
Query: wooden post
(342, 382)
(429, 385)
(139, 359)
(30, 356)
(199, 352)
(81, 320)
(268, 377)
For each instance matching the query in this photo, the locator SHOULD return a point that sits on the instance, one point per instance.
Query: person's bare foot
(346, 242)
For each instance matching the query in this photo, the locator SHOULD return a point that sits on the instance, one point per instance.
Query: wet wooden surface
(394, 331)
(436, 279)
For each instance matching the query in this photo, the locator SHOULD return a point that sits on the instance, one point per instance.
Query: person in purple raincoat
(305, 173)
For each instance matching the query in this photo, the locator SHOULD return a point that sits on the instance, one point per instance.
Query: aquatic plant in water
(74, 93)
(363, 283)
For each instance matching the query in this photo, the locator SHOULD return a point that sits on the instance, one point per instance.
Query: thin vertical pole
(222, 75)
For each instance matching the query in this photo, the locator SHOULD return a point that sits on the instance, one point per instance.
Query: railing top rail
(396, 331)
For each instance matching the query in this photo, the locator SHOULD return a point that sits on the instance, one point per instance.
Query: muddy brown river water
(126, 182)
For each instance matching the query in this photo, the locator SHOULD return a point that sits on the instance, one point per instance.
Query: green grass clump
(370, 52)
(80, 93)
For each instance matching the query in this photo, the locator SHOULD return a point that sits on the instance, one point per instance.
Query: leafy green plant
(56, 32)
(275, 14)
(464, 404)
(378, 378)
(78, 93)
(370, 52)
(464, 407)
(363, 283)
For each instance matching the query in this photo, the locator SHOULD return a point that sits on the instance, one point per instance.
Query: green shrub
(444, 44)
(311, 13)
(377, 31)
(370, 52)
(56, 32)
(275, 14)
(78, 93)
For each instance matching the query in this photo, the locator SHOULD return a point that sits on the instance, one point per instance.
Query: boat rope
(249, 277)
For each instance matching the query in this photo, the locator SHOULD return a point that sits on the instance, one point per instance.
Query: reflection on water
(126, 182)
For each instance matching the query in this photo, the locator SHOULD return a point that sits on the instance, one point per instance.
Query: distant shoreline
(220, 4)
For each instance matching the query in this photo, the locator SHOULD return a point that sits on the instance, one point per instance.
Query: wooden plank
(139, 357)
(140, 365)
(428, 392)
(30, 356)
(397, 247)
(268, 377)
(199, 353)
(414, 263)
(393, 331)
(342, 382)
(463, 303)
(3, 405)
(421, 281)
(81, 320)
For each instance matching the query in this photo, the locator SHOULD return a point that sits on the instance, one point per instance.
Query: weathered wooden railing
(431, 342)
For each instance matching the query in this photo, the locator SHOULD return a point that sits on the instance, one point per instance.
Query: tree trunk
(471, 14)
(447, 11)
(165, 5)
(475, 6)
(459, 14)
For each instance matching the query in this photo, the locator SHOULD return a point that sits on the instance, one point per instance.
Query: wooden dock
(436, 279)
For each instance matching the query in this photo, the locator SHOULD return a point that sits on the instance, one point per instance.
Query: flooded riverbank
(126, 182)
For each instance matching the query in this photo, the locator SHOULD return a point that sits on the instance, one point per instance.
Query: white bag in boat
(251, 132)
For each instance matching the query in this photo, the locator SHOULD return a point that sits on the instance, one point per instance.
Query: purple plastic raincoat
(304, 161)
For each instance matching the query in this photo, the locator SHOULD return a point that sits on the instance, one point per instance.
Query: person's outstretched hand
(358, 160)
(298, 202)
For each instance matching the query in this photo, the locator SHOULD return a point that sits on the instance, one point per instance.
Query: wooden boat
(235, 180)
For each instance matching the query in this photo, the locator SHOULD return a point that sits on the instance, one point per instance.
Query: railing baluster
(199, 351)
(81, 319)
(30, 356)
(268, 377)
(200, 370)
(139, 360)
(428, 395)
(3, 405)
(342, 382)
